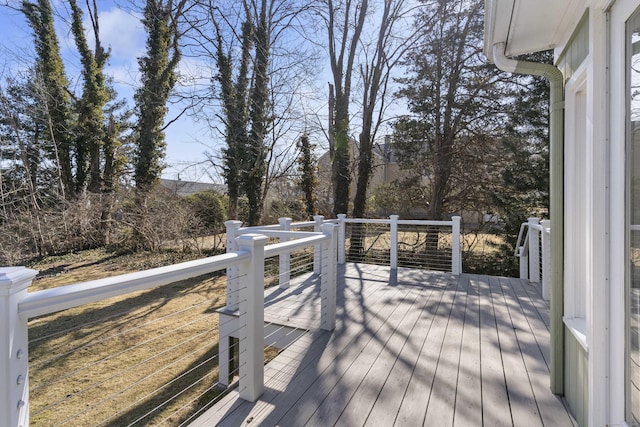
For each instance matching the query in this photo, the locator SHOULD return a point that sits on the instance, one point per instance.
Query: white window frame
(578, 205)
(620, 12)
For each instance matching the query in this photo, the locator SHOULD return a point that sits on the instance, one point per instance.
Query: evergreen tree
(53, 94)
(308, 179)
(91, 134)
(457, 106)
(524, 189)
(158, 76)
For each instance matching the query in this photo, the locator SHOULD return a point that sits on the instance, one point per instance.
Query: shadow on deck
(420, 348)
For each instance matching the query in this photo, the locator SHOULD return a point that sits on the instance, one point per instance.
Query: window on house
(577, 207)
(633, 219)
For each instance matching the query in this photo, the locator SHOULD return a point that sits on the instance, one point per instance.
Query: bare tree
(257, 83)
(342, 16)
(51, 69)
(158, 69)
(91, 133)
(380, 59)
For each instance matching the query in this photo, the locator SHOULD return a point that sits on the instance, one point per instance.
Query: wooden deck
(424, 348)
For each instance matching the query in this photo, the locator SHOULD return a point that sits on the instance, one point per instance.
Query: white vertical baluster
(456, 250)
(341, 237)
(393, 255)
(317, 249)
(328, 281)
(232, 272)
(251, 319)
(534, 250)
(285, 258)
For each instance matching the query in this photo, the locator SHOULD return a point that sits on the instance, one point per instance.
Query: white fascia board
(526, 26)
(497, 20)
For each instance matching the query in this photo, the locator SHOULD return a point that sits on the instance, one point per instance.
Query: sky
(122, 31)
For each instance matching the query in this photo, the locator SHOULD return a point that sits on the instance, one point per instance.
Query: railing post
(226, 351)
(317, 249)
(14, 346)
(341, 237)
(393, 254)
(232, 272)
(285, 258)
(251, 318)
(546, 259)
(524, 263)
(456, 250)
(328, 280)
(534, 250)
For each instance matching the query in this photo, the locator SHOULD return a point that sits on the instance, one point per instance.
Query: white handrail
(279, 233)
(291, 245)
(534, 252)
(367, 221)
(520, 233)
(48, 301)
(400, 221)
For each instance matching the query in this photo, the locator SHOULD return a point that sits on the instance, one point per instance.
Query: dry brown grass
(99, 364)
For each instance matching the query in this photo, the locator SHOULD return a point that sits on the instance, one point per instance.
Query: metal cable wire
(99, 361)
(110, 337)
(180, 392)
(300, 264)
(427, 247)
(130, 367)
(112, 395)
(118, 373)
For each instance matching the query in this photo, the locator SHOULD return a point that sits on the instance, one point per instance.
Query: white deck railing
(394, 224)
(17, 306)
(245, 265)
(533, 249)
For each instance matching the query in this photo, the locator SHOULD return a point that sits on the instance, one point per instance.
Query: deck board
(421, 382)
(495, 400)
(366, 394)
(523, 405)
(427, 349)
(468, 409)
(443, 392)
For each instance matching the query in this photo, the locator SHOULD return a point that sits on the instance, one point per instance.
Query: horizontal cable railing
(159, 346)
(431, 245)
(143, 348)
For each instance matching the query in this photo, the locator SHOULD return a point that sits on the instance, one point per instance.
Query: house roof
(527, 26)
(187, 188)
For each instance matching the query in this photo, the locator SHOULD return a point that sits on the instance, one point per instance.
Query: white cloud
(123, 33)
(194, 72)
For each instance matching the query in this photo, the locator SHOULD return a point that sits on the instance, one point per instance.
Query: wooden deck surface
(424, 348)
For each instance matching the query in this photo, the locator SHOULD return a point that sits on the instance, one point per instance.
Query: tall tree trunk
(258, 115)
(342, 72)
(158, 70)
(54, 96)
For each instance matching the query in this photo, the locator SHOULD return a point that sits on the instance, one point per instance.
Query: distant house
(187, 188)
(385, 169)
